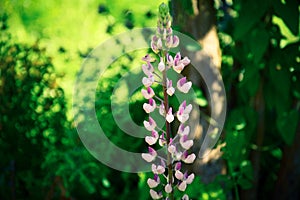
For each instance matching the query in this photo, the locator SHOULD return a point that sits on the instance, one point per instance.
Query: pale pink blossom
(148, 81)
(185, 61)
(172, 149)
(147, 68)
(179, 175)
(185, 142)
(154, 44)
(172, 41)
(150, 125)
(185, 197)
(177, 166)
(153, 183)
(177, 155)
(149, 157)
(168, 188)
(183, 130)
(162, 110)
(159, 43)
(183, 112)
(188, 158)
(158, 169)
(161, 65)
(149, 107)
(184, 86)
(177, 63)
(149, 93)
(155, 195)
(187, 179)
(162, 140)
(170, 116)
(147, 58)
(170, 88)
(182, 186)
(153, 138)
(170, 61)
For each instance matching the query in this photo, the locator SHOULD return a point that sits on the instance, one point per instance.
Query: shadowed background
(254, 44)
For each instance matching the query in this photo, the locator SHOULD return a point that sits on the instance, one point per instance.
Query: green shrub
(32, 115)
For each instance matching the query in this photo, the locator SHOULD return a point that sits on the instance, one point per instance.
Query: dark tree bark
(198, 18)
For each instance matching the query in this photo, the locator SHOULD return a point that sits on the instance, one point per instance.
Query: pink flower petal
(147, 68)
(177, 166)
(190, 178)
(170, 89)
(162, 109)
(149, 93)
(147, 157)
(175, 41)
(190, 159)
(162, 141)
(172, 149)
(183, 130)
(149, 107)
(179, 175)
(155, 195)
(152, 151)
(148, 81)
(150, 140)
(185, 143)
(184, 87)
(185, 61)
(152, 183)
(159, 43)
(178, 68)
(182, 186)
(159, 169)
(150, 125)
(170, 60)
(170, 116)
(148, 58)
(154, 47)
(161, 65)
(168, 188)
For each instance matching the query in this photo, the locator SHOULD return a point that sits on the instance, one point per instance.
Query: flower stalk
(168, 136)
(178, 144)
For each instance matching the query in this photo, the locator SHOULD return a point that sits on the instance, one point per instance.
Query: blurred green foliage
(32, 120)
(261, 72)
(41, 154)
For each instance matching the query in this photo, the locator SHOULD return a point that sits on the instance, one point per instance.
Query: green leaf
(280, 77)
(289, 13)
(247, 169)
(287, 125)
(250, 14)
(250, 80)
(187, 6)
(259, 40)
(200, 98)
(235, 149)
(244, 183)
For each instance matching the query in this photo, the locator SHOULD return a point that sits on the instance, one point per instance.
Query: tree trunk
(198, 18)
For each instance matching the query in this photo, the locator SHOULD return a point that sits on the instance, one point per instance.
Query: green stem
(236, 190)
(168, 132)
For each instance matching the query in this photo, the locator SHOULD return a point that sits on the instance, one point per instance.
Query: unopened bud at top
(163, 10)
(164, 19)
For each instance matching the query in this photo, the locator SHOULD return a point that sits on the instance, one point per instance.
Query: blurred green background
(42, 47)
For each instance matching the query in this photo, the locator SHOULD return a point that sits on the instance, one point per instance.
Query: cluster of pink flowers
(177, 146)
